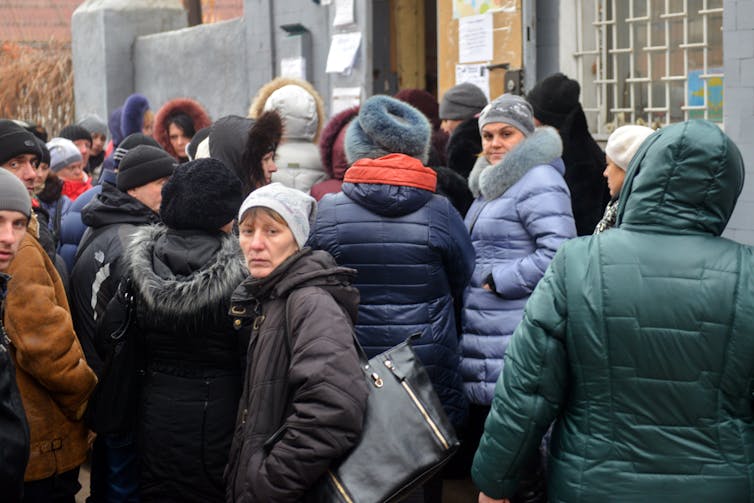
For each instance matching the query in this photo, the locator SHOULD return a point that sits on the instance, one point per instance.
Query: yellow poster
(462, 8)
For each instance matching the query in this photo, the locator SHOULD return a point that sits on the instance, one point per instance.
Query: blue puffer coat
(521, 215)
(413, 256)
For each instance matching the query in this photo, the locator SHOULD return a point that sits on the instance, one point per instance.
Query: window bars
(649, 62)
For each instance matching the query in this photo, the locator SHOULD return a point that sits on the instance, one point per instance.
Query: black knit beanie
(201, 194)
(554, 98)
(129, 142)
(44, 153)
(15, 140)
(144, 164)
(75, 132)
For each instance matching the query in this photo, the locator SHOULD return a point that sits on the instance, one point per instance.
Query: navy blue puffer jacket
(413, 256)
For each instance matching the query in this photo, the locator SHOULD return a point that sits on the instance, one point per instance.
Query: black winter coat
(304, 394)
(182, 282)
(112, 216)
(14, 430)
(584, 161)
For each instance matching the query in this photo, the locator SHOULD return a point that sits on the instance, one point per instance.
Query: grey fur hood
(195, 298)
(491, 181)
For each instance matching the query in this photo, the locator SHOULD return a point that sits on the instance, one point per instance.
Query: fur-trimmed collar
(491, 181)
(203, 294)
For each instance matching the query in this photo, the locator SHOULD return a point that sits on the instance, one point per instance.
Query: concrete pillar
(103, 33)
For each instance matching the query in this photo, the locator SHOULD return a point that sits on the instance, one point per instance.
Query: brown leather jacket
(304, 394)
(53, 376)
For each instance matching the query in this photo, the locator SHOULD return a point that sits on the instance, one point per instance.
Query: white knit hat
(624, 142)
(297, 208)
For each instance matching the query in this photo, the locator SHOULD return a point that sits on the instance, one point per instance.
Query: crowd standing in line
(457, 220)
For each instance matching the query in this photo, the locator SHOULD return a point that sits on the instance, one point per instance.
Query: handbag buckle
(377, 380)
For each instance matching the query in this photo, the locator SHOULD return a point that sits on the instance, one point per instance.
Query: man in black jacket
(113, 216)
(15, 210)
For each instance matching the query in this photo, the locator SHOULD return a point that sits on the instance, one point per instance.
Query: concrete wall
(738, 105)
(205, 63)
(126, 46)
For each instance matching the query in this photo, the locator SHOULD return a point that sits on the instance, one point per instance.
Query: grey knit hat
(509, 109)
(63, 152)
(13, 194)
(94, 124)
(297, 208)
(462, 101)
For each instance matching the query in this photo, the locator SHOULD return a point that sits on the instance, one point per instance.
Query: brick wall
(738, 106)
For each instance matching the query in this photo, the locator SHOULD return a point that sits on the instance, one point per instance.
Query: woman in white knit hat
(621, 148)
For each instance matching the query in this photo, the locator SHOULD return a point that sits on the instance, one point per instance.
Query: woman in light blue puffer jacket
(521, 214)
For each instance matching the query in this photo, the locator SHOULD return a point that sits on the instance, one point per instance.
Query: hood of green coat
(685, 179)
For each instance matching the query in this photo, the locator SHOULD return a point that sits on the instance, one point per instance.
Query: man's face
(25, 168)
(150, 194)
(12, 230)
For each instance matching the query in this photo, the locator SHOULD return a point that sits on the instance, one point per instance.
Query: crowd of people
(577, 312)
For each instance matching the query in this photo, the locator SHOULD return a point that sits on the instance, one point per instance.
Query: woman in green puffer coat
(637, 343)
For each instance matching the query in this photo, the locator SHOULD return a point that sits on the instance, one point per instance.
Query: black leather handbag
(116, 397)
(406, 439)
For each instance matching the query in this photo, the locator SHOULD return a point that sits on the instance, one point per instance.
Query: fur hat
(260, 104)
(462, 102)
(143, 164)
(15, 140)
(131, 141)
(554, 98)
(385, 126)
(13, 194)
(297, 208)
(63, 152)
(201, 194)
(422, 101)
(74, 132)
(332, 143)
(508, 109)
(132, 118)
(94, 125)
(193, 109)
(624, 142)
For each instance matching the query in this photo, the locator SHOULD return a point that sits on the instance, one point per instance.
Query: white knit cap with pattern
(624, 142)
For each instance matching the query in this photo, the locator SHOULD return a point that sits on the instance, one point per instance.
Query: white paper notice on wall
(475, 38)
(343, 13)
(478, 75)
(293, 67)
(343, 50)
(343, 98)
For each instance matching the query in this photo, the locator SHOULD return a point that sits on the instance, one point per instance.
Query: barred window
(649, 62)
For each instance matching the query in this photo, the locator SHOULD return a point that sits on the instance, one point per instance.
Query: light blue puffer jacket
(521, 214)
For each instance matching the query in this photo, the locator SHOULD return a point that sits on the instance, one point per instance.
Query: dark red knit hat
(424, 102)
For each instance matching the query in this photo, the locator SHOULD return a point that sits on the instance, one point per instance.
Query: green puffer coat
(639, 344)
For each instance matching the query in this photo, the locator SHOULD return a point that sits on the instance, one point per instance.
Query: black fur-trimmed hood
(542, 147)
(212, 267)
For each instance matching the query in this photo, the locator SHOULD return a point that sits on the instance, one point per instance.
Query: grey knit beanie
(297, 208)
(63, 152)
(462, 102)
(94, 124)
(509, 109)
(13, 194)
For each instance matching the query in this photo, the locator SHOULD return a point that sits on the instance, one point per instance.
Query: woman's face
(498, 138)
(73, 172)
(615, 177)
(98, 143)
(178, 139)
(268, 166)
(265, 243)
(147, 125)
